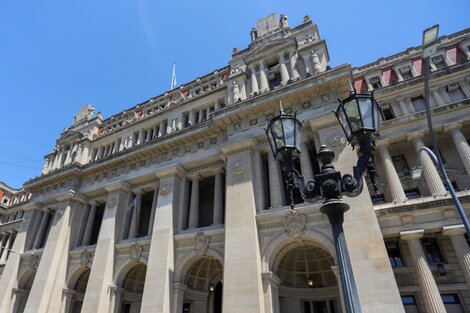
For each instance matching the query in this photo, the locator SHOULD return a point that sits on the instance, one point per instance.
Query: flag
(173, 77)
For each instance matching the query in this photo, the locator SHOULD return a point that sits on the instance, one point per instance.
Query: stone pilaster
(460, 143)
(394, 184)
(263, 78)
(283, 69)
(271, 293)
(428, 287)
(431, 175)
(101, 275)
(89, 225)
(135, 220)
(461, 248)
(437, 98)
(243, 290)
(158, 290)
(39, 237)
(46, 291)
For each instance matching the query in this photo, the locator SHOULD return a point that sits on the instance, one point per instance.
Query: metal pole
(437, 154)
(335, 209)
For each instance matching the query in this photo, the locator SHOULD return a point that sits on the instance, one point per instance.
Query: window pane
(365, 104)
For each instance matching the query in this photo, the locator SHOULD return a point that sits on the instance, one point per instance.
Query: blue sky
(56, 56)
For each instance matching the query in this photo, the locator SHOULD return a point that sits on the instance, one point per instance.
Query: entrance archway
(307, 281)
(132, 289)
(22, 293)
(79, 289)
(204, 287)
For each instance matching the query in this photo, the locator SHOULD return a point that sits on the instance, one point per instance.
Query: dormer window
(438, 62)
(406, 72)
(375, 82)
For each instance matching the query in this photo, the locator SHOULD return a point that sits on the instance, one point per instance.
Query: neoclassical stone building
(176, 204)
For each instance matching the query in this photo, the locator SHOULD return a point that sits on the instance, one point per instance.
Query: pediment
(270, 47)
(69, 136)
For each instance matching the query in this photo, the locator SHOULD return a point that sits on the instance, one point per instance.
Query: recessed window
(375, 82)
(387, 112)
(438, 62)
(432, 251)
(418, 103)
(408, 300)
(412, 193)
(394, 254)
(406, 72)
(455, 92)
(401, 165)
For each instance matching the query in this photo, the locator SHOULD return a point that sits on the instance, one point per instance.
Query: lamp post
(430, 36)
(358, 115)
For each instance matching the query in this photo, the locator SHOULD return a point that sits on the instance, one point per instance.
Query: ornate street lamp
(358, 115)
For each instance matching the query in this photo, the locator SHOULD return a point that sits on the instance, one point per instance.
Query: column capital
(218, 169)
(414, 136)
(382, 143)
(448, 128)
(452, 230)
(411, 234)
(138, 190)
(194, 176)
(173, 170)
(119, 185)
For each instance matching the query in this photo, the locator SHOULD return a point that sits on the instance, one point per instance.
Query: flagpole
(173, 77)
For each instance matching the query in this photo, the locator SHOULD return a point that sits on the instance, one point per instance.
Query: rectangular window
(418, 103)
(438, 62)
(375, 82)
(394, 253)
(406, 72)
(387, 112)
(432, 251)
(413, 193)
(409, 303)
(455, 92)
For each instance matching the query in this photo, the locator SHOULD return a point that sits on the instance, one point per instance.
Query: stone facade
(176, 204)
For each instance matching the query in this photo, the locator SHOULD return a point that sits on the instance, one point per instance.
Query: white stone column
(9, 278)
(431, 174)
(271, 293)
(218, 197)
(135, 220)
(46, 292)
(293, 65)
(403, 107)
(6, 245)
(194, 202)
(460, 143)
(305, 163)
(254, 82)
(461, 248)
(153, 209)
(394, 184)
(97, 297)
(263, 78)
(427, 284)
(243, 290)
(89, 225)
(41, 231)
(437, 98)
(283, 69)
(162, 129)
(157, 296)
(276, 190)
(317, 68)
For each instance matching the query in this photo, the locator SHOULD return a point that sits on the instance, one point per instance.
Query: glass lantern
(284, 134)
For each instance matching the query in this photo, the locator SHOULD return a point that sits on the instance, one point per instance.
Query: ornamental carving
(85, 257)
(294, 223)
(136, 250)
(201, 243)
(336, 142)
(33, 260)
(112, 203)
(165, 190)
(238, 167)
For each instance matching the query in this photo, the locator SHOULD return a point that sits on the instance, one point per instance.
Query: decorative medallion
(165, 190)
(136, 250)
(336, 142)
(85, 257)
(112, 203)
(33, 260)
(201, 243)
(294, 223)
(238, 167)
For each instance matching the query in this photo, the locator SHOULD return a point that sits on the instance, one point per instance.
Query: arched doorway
(79, 289)
(204, 286)
(307, 281)
(132, 289)
(22, 293)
